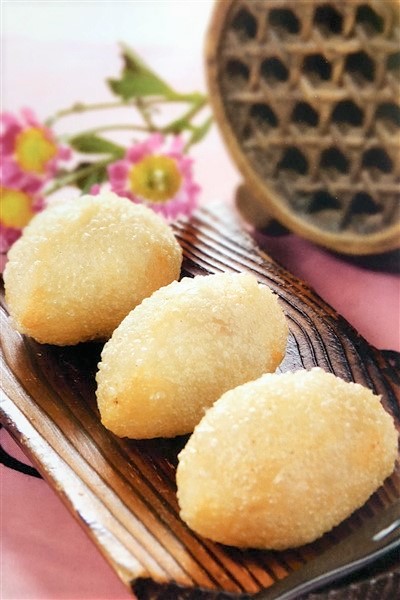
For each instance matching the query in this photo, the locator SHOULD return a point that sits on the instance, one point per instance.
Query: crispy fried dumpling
(277, 462)
(81, 266)
(177, 352)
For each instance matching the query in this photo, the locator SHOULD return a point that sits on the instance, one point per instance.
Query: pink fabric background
(55, 53)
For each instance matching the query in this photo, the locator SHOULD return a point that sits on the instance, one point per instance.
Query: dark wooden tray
(123, 492)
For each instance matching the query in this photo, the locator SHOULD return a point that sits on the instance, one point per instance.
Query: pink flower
(17, 207)
(30, 157)
(158, 175)
(30, 152)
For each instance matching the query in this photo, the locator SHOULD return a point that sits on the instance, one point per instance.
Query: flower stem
(102, 128)
(184, 121)
(74, 176)
(173, 127)
(145, 112)
(80, 107)
(139, 103)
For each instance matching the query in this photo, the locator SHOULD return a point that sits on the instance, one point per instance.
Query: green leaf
(91, 173)
(177, 126)
(138, 80)
(138, 86)
(93, 144)
(200, 132)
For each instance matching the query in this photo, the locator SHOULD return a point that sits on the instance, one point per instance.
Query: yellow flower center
(156, 178)
(15, 208)
(33, 150)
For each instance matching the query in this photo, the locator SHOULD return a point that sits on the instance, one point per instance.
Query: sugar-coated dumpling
(177, 352)
(81, 266)
(277, 462)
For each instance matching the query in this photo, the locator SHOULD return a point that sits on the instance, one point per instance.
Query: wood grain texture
(123, 492)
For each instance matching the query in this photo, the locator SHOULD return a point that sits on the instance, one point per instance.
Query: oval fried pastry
(82, 265)
(277, 462)
(177, 352)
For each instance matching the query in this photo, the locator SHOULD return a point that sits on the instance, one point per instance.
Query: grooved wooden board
(123, 492)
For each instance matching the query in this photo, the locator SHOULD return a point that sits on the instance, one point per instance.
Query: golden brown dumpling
(277, 462)
(81, 266)
(177, 352)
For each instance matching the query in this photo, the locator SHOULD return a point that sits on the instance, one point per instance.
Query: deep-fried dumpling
(177, 352)
(81, 266)
(277, 462)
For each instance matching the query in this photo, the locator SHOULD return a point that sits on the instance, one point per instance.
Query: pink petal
(12, 176)
(177, 145)
(118, 172)
(38, 203)
(31, 185)
(8, 235)
(95, 189)
(9, 170)
(10, 128)
(29, 117)
(8, 120)
(154, 142)
(135, 153)
(64, 153)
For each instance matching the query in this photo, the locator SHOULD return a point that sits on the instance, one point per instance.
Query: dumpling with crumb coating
(177, 352)
(277, 462)
(82, 265)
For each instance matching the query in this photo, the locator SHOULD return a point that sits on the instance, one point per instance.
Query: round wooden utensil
(306, 94)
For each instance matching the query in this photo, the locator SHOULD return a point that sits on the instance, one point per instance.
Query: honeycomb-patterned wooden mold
(307, 97)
